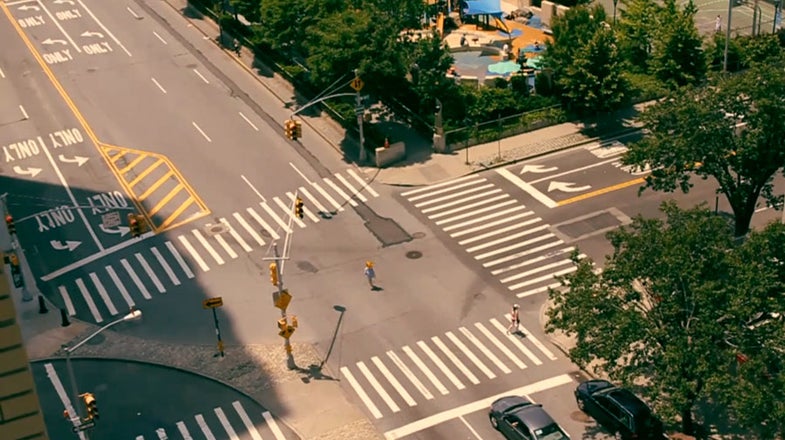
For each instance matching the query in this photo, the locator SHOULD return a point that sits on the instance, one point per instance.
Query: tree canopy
(678, 58)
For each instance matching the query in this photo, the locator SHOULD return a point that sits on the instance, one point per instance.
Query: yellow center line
(165, 200)
(144, 173)
(133, 163)
(602, 191)
(177, 212)
(117, 156)
(155, 186)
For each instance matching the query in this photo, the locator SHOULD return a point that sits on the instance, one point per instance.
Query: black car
(618, 410)
(519, 419)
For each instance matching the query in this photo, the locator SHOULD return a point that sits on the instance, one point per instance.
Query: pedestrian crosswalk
(113, 288)
(233, 423)
(446, 363)
(613, 151)
(509, 240)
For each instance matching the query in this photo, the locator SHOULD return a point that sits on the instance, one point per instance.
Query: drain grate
(413, 255)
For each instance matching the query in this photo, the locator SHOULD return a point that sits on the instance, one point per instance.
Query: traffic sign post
(212, 304)
(357, 84)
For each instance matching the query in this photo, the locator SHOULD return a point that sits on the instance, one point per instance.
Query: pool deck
(476, 36)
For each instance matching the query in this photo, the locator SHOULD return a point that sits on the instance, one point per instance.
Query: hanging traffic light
(134, 225)
(91, 404)
(9, 222)
(288, 129)
(298, 130)
(298, 207)
(274, 274)
(285, 330)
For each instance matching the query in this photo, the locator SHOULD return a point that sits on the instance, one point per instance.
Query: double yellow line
(601, 191)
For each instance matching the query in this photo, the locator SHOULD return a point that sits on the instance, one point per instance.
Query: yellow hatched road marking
(165, 200)
(117, 156)
(133, 163)
(144, 173)
(168, 222)
(601, 191)
(155, 186)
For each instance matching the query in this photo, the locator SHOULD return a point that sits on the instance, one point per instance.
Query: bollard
(42, 305)
(64, 317)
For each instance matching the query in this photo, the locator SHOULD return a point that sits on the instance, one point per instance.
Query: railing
(507, 126)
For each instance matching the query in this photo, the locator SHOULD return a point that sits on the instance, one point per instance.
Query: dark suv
(618, 410)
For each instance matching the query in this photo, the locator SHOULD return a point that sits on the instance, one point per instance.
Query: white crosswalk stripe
(444, 361)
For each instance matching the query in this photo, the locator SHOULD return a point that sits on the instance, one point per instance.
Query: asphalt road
(144, 401)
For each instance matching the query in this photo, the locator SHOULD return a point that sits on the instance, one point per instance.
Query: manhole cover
(264, 233)
(414, 255)
(306, 266)
(215, 229)
(418, 235)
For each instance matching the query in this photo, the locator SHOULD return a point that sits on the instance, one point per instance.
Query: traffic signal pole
(25, 272)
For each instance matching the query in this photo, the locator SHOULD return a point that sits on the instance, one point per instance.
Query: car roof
(534, 417)
(629, 400)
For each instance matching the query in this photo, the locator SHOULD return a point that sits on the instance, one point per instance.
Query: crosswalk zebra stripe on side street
(169, 272)
(249, 426)
(184, 431)
(149, 271)
(203, 426)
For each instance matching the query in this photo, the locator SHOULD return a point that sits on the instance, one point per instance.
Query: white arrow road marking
(29, 7)
(78, 160)
(51, 41)
(70, 245)
(537, 169)
(60, 2)
(566, 187)
(32, 171)
(122, 230)
(92, 34)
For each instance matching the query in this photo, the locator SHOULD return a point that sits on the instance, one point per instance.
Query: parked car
(520, 419)
(618, 410)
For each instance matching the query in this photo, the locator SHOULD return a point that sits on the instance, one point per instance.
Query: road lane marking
(532, 191)
(273, 425)
(201, 76)
(249, 425)
(602, 191)
(340, 192)
(327, 196)
(471, 429)
(57, 24)
(2, 75)
(492, 357)
(133, 13)
(538, 290)
(478, 405)
(184, 431)
(159, 37)
(363, 184)
(495, 341)
(164, 200)
(145, 172)
(248, 121)
(253, 188)
(510, 237)
(225, 423)
(206, 245)
(139, 158)
(69, 305)
(313, 200)
(176, 254)
(393, 381)
(307, 211)
(99, 286)
(201, 131)
(361, 393)
(453, 195)
(549, 276)
(378, 387)
(471, 206)
(150, 273)
(290, 210)
(355, 192)
(60, 390)
(437, 185)
(248, 229)
(536, 342)
(444, 190)
(458, 202)
(195, 255)
(496, 231)
(576, 170)
(454, 359)
(228, 249)
(534, 260)
(514, 246)
(263, 223)
(470, 354)
(24, 113)
(135, 278)
(183, 206)
(203, 426)
(518, 255)
(409, 375)
(108, 32)
(275, 217)
(120, 286)
(89, 300)
(155, 81)
(517, 342)
(161, 432)
(435, 359)
(536, 270)
(237, 237)
(169, 272)
(425, 370)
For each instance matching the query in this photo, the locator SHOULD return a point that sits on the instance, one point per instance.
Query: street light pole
(727, 36)
(133, 316)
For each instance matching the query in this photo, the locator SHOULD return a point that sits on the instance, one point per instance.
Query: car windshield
(550, 432)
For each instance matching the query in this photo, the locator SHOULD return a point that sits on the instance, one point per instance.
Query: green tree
(249, 9)
(731, 131)
(715, 53)
(678, 57)
(652, 313)
(759, 49)
(636, 27)
(430, 61)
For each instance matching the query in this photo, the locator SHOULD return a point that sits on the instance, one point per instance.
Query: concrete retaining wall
(387, 156)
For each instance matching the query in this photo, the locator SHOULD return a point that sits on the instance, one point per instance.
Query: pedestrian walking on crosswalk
(515, 320)
(370, 274)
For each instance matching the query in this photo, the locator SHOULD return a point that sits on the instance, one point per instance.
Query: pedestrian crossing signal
(286, 330)
(274, 274)
(9, 222)
(134, 225)
(298, 207)
(91, 404)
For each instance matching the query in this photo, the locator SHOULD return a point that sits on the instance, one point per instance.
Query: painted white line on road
(136, 16)
(528, 262)
(463, 199)
(184, 431)
(762, 209)
(248, 121)
(361, 393)
(300, 173)
(139, 437)
(537, 290)
(478, 405)
(253, 188)
(427, 372)
(444, 190)
(517, 342)
(159, 37)
(340, 192)
(492, 357)
(290, 210)
(108, 32)
(155, 81)
(135, 278)
(87, 260)
(514, 246)
(489, 202)
(69, 305)
(24, 113)
(327, 196)
(393, 381)
(225, 423)
(173, 250)
(454, 359)
(312, 199)
(199, 129)
(536, 342)
(307, 211)
(537, 269)
(493, 207)
(161, 432)
(263, 223)
(378, 387)
(495, 341)
(57, 23)
(228, 249)
(472, 430)
(576, 170)
(169, 272)
(207, 246)
(532, 191)
(275, 217)
(550, 276)
(203, 426)
(201, 76)
(99, 286)
(496, 231)
(438, 185)
(507, 238)
(149, 271)
(195, 255)
(60, 390)
(249, 426)
(2, 75)
(363, 184)
(522, 254)
(273, 425)
(435, 359)
(470, 354)
(409, 375)
(248, 229)
(355, 191)
(89, 300)
(453, 195)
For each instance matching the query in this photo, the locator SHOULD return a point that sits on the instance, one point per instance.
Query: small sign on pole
(83, 426)
(357, 84)
(214, 303)
(211, 303)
